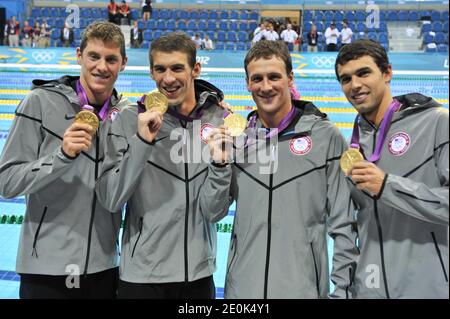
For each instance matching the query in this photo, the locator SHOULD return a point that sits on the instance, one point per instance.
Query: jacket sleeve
(125, 159)
(215, 193)
(23, 169)
(341, 221)
(416, 199)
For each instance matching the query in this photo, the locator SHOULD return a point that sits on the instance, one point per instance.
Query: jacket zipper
(438, 251)
(94, 202)
(141, 223)
(36, 235)
(269, 235)
(380, 239)
(186, 214)
(316, 271)
(233, 246)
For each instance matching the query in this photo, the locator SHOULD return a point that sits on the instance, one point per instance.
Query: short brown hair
(174, 42)
(107, 32)
(267, 49)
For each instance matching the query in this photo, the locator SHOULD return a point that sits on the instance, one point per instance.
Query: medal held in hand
(157, 101)
(349, 158)
(89, 118)
(236, 124)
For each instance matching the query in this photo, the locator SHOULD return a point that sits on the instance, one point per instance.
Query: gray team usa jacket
(403, 235)
(278, 245)
(65, 227)
(168, 191)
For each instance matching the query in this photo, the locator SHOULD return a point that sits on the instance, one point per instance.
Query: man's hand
(220, 144)
(367, 176)
(149, 124)
(77, 138)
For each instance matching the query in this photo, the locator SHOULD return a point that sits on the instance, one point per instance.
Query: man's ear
(196, 70)
(291, 79)
(124, 63)
(387, 76)
(79, 56)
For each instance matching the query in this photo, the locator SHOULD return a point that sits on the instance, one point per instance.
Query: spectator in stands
(157, 261)
(270, 34)
(346, 33)
(27, 35)
(295, 26)
(136, 35)
(289, 36)
(313, 38)
(207, 43)
(147, 9)
(124, 13)
(13, 31)
(331, 37)
(259, 32)
(36, 34)
(66, 36)
(198, 41)
(5, 34)
(68, 246)
(402, 185)
(44, 37)
(113, 12)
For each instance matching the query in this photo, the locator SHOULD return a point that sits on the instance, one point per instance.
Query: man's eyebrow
(366, 68)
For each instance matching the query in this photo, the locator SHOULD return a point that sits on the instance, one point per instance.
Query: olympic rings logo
(323, 62)
(44, 56)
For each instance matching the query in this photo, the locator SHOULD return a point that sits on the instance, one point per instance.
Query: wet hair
(105, 31)
(174, 42)
(268, 49)
(360, 48)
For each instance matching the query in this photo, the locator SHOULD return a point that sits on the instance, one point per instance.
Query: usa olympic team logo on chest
(113, 113)
(205, 130)
(301, 145)
(399, 143)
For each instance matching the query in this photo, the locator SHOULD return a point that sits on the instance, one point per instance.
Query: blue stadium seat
(254, 15)
(436, 16)
(195, 15)
(349, 15)
(45, 12)
(242, 36)
(151, 24)
(234, 15)
(231, 36)
(36, 12)
(243, 26)
(320, 27)
(445, 27)
(392, 16)
(424, 14)
(428, 38)
(360, 16)
(211, 35)
(212, 26)
(383, 38)
(307, 16)
(134, 14)
(171, 24)
(192, 25)
(241, 46)
(157, 34)
(161, 24)
(233, 25)
(214, 15)
(163, 14)
(77, 34)
(230, 46)
(219, 46)
(244, 16)
(403, 15)
(182, 25)
(413, 15)
(444, 16)
(360, 27)
(221, 36)
(437, 26)
(339, 15)
(223, 15)
(329, 15)
(201, 25)
(148, 35)
(439, 38)
(59, 23)
(145, 44)
(184, 14)
(252, 25)
(372, 36)
(304, 47)
(426, 27)
(223, 25)
(442, 48)
(204, 15)
(430, 48)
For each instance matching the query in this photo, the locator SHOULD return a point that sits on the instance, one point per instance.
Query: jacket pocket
(316, 270)
(438, 251)
(36, 234)
(141, 222)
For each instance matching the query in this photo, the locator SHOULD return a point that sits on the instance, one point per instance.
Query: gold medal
(236, 124)
(89, 118)
(157, 101)
(349, 158)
